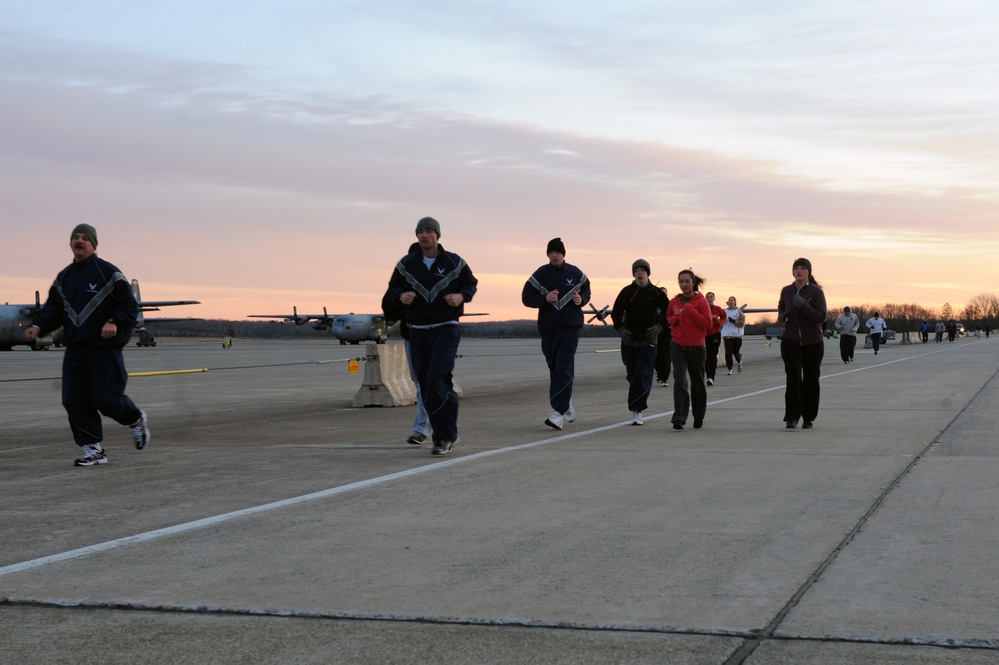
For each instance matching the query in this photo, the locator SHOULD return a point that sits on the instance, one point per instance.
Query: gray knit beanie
(641, 263)
(87, 230)
(429, 223)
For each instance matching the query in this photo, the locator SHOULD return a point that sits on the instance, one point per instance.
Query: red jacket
(690, 320)
(718, 318)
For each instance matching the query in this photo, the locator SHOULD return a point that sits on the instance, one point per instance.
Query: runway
(268, 521)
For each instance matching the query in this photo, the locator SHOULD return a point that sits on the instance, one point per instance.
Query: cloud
(208, 176)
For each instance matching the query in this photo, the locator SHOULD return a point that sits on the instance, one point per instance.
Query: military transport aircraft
(14, 319)
(348, 328)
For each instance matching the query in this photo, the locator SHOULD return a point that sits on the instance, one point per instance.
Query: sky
(258, 155)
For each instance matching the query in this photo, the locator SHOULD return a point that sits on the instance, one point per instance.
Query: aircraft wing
(146, 321)
(297, 319)
(290, 317)
(325, 320)
(153, 305)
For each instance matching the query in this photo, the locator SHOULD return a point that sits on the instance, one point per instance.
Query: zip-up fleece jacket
(562, 314)
(691, 320)
(85, 296)
(802, 325)
(448, 274)
(637, 309)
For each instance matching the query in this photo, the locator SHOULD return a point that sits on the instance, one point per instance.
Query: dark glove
(623, 332)
(798, 300)
(731, 320)
(652, 334)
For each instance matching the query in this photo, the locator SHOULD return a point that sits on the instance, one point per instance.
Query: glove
(731, 320)
(798, 300)
(623, 332)
(652, 334)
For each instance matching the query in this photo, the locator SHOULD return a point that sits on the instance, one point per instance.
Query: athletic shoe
(662, 383)
(636, 418)
(790, 424)
(140, 432)
(677, 425)
(92, 454)
(711, 382)
(554, 420)
(698, 424)
(806, 425)
(443, 447)
(730, 372)
(570, 415)
(739, 366)
(416, 438)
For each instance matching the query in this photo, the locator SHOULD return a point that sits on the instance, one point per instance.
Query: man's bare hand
(454, 299)
(109, 330)
(408, 297)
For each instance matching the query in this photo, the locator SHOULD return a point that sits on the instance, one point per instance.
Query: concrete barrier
(386, 377)
(387, 381)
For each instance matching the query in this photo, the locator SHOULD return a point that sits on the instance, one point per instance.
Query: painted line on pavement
(364, 484)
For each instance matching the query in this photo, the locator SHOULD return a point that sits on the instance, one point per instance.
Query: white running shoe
(636, 418)
(739, 366)
(554, 420)
(570, 415)
(140, 432)
(92, 454)
(730, 372)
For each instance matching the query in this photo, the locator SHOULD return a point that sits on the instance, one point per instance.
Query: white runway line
(371, 482)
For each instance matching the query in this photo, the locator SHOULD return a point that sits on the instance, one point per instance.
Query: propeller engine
(323, 323)
(296, 319)
(599, 314)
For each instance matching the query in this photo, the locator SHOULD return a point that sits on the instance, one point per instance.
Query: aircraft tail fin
(140, 321)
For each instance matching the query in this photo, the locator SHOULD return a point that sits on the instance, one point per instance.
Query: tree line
(981, 310)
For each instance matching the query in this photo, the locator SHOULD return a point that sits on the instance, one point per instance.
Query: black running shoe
(443, 447)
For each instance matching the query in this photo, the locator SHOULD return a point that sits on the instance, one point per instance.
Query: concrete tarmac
(269, 522)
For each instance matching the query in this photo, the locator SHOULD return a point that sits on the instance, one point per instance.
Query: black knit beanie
(555, 245)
